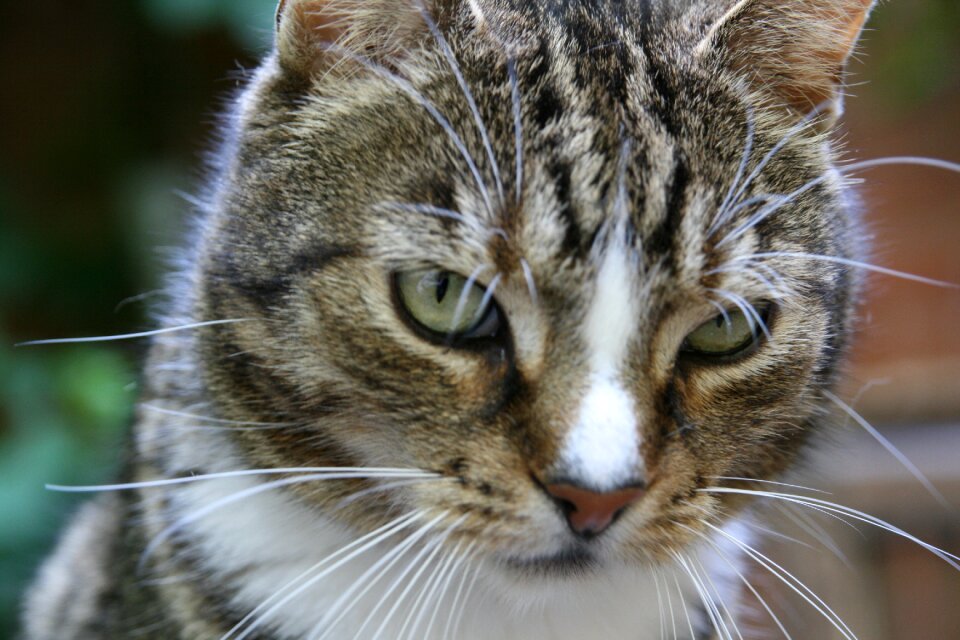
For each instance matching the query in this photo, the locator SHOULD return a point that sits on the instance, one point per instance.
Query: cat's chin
(573, 562)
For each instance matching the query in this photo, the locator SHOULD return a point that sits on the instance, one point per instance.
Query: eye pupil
(728, 334)
(442, 287)
(449, 307)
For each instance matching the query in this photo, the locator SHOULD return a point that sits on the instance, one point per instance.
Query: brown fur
(299, 243)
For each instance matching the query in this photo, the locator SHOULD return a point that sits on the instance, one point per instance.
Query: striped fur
(601, 182)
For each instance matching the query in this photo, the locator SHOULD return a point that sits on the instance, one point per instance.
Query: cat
(499, 315)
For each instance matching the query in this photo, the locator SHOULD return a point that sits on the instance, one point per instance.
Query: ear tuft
(377, 29)
(794, 51)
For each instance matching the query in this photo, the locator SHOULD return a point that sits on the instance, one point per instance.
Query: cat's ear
(312, 34)
(794, 52)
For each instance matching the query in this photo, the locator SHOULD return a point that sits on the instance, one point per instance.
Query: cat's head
(560, 254)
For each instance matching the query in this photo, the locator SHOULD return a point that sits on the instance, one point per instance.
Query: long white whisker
(421, 605)
(531, 284)
(422, 100)
(467, 94)
(461, 559)
(194, 416)
(656, 585)
(852, 263)
(744, 160)
(466, 599)
(725, 557)
(779, 484)
(804, 123)
(464, 298)
(712, 611)
(131, 336)
(896, 453)
(338, 612)
(318, 571)
(355, 471)
(748, 310)
(808, 525)
(900, 160)
(791, 581)
(454, 606)
(673, 619)
(203, 512)
(768, 211)
(517, 124)
(685, 609)
(426, 209)
(430, 550)
(723, 605)
(386, 486)
(849, 512)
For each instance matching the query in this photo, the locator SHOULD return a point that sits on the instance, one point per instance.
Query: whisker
(779, 484)
(744, 160)
(766, 212)
(466, 599)
(430, 550)
(131, 336)
(803, 124)
(332, 618)
(461, 559)
(386, 486)
(900, 160)
(232, 498)
(355, 471)
(274, 603)
(437, 545)
(426, 209)
(422, 100)
(427, 595)
(194, 416)
(673, 619)
(467, 94)
(517, 124)
(439, 212)
(723, 605)
(452, 615)
(685, 608)
(748, 310)
(896, 453)
(809, 526)
(528, 276)
(849, 512)
(852, 263)
(791, 581)
(656, 585)
(464, 297)
(712, 612)
(725, 557)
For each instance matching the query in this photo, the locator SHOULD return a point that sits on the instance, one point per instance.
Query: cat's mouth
(572, 561)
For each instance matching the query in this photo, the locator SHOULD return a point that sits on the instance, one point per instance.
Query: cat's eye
(446, 305)
(727, 335)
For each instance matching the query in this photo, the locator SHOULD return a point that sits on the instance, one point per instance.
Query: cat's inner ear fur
(794, 52)
(313, 35)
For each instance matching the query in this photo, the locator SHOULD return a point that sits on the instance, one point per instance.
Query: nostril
(589, 513)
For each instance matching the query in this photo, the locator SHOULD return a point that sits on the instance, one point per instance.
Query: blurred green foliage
(97, 132)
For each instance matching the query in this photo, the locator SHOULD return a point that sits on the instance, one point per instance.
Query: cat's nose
(589, 512)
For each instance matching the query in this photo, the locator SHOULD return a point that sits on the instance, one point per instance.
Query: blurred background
(107, 111)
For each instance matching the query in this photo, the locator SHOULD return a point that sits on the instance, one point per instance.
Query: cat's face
(597, 328)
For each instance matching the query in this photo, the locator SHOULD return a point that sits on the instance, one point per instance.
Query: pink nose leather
(588, 512)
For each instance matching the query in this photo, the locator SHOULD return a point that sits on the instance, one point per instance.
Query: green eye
(441, 303)
(726, 335)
